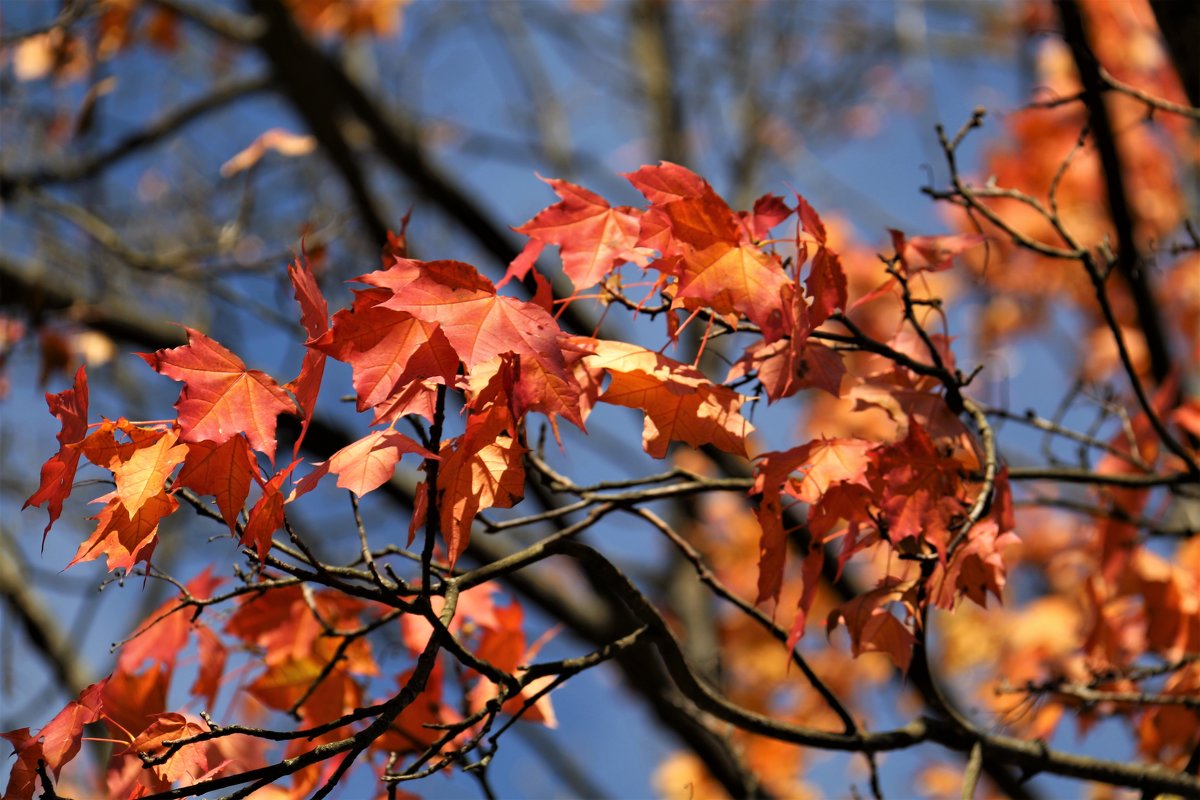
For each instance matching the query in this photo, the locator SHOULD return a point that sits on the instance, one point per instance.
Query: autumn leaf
(482, 325)
(680, 403)
(826, 285)
(810, 220)
(220, 397)
(787, 365)
(61, 736)
(186, 764)
(872, 626)
(221, 470)
(365, 465)
(593, 237)
(167, 629)
(297, 651)
(314, 315)
(387, 350)
(276, 140)
(23, 778)
(977, 568)
(266, 517)
(213, 655)
(768, 212)
(133, 700)
(143, 476)
(667, 182)
(70, 407)
(932, 253)
(502, 643)
(718, 266)
(123, 538)
(481, 469)
(103, 448)
(826, 463)
(921, 495)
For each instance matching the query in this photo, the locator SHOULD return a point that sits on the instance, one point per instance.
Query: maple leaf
(23, 778)
(387, 350)
(932, 253)
(123, 538)
(298, 653)
(680, 403)
(872, 626)
(920, 499)
(826, 463)
(482, 325)
(666, 181)
(768, 212)
(189, 762)
(266, 517)
(220, 397)
(144, 474)
(593, 237)
(61, 736)
(525, 260)
(102, 447)
(810, 573)
(481, 469)
(131, 701)
(314, 315)
(169, 626)
(221, 470)
(810, 220)
(977, 567)
(503, 644)
(58, 473)
(213, 654)
(826, 285)
(788, 365)
(715, 261)
(365, 465)
(420, 723)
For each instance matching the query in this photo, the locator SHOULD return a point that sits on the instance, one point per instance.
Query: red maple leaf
(58, 473)
(221, 470)
(482, 325)
(710, 251)
(314, 315)
(826, 464)
(62, 735)
(389, 351)
(593, 237)
(220, 397)
(365, 465)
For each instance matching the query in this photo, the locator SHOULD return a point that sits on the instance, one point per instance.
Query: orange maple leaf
(680, 403)
(143, 476)
(481, 469)
(125, 539)
(709, 249)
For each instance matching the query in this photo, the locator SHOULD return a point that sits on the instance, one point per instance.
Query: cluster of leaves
(893, 505)
(423, 330)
